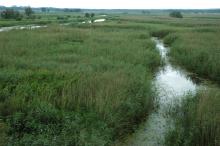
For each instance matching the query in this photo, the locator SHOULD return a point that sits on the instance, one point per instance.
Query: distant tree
(176, 14)
(44, 10)
(87, 15)
(92, 15)
(29, 11)
(11, 14)
(143, 12)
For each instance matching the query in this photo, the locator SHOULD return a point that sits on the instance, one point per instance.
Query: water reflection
(171, 83)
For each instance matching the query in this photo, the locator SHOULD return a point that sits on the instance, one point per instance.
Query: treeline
(142, 11)
(42, 9)
(14, 14)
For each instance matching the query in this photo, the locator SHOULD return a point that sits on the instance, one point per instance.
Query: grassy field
(75, 85)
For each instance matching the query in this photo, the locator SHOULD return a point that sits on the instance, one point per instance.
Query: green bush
(176, 14)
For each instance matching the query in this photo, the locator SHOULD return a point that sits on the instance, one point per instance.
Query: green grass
(198, 50)
(86, 85)
(197, 120)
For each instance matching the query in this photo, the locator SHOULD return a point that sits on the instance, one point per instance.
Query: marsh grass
(197, 52)
(196, 120)
(90, 84)
(75, 85)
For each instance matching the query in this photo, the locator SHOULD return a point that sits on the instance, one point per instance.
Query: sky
(117, 4)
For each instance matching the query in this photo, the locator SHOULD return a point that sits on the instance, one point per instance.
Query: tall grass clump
(197, 121)
(74, 85)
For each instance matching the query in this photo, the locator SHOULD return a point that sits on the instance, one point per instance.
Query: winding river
(171, 84)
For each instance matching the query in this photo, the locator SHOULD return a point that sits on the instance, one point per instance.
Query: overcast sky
(117, 4)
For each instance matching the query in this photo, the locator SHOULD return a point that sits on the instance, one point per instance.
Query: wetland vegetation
(94, 83)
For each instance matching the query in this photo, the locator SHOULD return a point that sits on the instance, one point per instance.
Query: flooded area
(171, 84)
(95, 21)
(99, 20)
(33, 26)
(21, 27)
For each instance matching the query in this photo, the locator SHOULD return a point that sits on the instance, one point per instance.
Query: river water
(33, 26)
(171, 84)
(21, 27)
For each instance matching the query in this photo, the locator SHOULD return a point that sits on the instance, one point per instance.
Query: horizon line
(111, 8)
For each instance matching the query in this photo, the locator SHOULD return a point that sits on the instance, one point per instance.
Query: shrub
(29, 11)
(160, 33)
(176, 14)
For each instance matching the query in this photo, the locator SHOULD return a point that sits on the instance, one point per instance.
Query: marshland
(95, 77)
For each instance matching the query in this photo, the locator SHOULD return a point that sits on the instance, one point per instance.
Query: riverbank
(196, 48)
(189, 49)
(169, 94)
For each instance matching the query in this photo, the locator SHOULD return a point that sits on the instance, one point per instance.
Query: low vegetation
(84, 85)
(197, 120)
(198, 50)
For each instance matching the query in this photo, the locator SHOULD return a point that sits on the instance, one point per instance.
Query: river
(33, 26)
(171, 84)
(21, 27)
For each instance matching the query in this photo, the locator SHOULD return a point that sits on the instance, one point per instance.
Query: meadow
(74, 85)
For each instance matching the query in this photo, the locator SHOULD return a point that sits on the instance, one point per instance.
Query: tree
(92, 15)
(87, 15)
(29, 11)
(44, 10)
(176, 14)
(11, 14)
